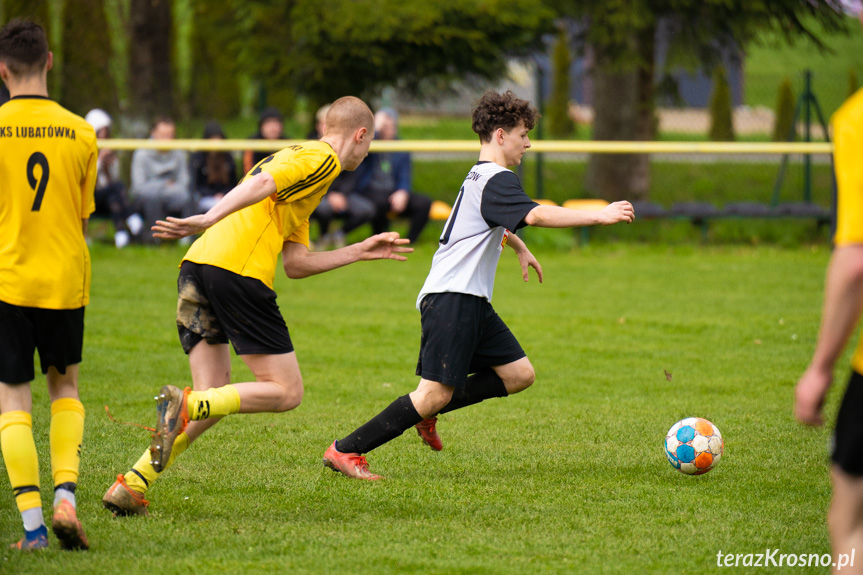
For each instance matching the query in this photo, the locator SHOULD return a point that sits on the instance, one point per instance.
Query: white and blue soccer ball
(693, 446)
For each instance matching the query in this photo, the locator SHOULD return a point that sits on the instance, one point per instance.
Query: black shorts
(58, 335)
(848, 436)
(461, 335)
(220, 306)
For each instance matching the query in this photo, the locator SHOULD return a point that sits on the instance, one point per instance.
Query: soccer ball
(693, 446)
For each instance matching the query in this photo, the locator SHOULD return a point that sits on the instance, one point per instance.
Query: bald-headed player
(226, 291)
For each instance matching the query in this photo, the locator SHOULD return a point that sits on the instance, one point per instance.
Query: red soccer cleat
(173, 417)
(122, 500)
(351, 464)
(67, 528)
(427, 430)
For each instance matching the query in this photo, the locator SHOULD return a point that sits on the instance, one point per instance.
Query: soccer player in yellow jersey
(843, 305)
(226, 291)
(47, 177)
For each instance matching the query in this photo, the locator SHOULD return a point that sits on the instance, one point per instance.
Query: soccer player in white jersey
(467, 353)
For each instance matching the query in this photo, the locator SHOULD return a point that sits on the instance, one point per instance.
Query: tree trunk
(623, 111)
(614, 105)
(215, 86)
(150, 41)
(35, 10)
(85, 79)
(645, 121)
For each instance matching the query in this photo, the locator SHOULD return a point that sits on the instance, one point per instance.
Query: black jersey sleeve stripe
(300, 186)
(285, 193)
(326, 167)
(314, 174)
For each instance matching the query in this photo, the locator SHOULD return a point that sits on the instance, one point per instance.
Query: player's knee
(292, 396)
(524, 378)
(431, 398)
(440, 399)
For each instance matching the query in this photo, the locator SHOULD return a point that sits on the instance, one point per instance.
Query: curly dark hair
(23, 46)
(501, 111)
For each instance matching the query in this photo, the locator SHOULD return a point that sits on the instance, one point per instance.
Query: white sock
(32, 519)
(60, 494)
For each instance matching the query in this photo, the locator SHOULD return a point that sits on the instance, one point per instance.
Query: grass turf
(568, 476)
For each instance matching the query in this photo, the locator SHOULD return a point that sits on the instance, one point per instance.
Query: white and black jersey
(490, 204)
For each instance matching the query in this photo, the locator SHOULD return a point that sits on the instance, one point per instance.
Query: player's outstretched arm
(842, 308)
(249, 191)
(525, 258)
(300, 263)
(558, 217)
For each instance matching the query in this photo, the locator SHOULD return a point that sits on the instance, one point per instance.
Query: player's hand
(809, 395)
(385, 246)
(527, 261)
(399, 201)
(176, 228)
(617, 212)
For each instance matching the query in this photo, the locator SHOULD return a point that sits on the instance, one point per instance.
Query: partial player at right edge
(467, 353)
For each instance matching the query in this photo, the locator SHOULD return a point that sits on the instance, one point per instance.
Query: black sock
(398, 416)
(68, 486)
(480, 386)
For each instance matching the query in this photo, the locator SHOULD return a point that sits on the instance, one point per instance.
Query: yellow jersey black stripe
(326, 168)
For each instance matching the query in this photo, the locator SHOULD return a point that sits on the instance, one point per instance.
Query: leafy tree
(721, 110)
(38, 11)
(85, 78)
(621, 34)
(215, 90)
(325, 50)
(784, 120)
(150, 77)
(853, 85)
(560, 123)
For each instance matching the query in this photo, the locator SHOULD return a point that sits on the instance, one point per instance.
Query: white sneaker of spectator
(135, 223)
(121, 239)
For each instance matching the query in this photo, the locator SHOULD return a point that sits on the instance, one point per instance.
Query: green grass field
(567, 477)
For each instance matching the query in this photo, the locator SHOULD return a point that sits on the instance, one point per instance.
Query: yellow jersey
(847, 153)
(249, 241)
(47, 177)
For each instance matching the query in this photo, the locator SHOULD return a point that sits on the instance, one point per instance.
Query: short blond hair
(348, 114)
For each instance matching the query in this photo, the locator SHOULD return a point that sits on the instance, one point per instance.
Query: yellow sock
(19, 453)
(66, 435)
(142, 476)
(213, 402)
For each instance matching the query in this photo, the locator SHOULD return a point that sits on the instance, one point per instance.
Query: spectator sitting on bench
(160, 179)
(110, 191)
(271, 126)
(214, 172)
(385, 179)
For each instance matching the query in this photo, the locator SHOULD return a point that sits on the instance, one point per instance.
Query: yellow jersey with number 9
(249, 241)
(47, 177)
